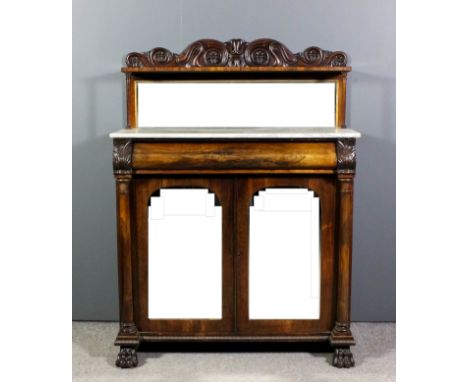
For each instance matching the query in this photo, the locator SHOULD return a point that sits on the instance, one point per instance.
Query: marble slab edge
(231, 133)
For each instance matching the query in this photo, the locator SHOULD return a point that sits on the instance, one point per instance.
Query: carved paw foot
(127, 358)
(343, 358)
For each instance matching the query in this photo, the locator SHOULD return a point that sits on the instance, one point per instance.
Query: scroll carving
(122, 156)
(346, 155)
(236, 53)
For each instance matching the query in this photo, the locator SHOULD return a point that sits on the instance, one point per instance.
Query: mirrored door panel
(286, 254)
(184, 255)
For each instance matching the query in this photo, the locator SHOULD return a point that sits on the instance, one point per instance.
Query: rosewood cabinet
(234, 179)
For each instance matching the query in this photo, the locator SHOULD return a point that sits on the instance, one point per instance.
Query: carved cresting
(346, 155)
(236, 53)
(122, 156)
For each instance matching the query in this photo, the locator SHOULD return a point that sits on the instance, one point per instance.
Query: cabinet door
(184, 256)
(285, 255)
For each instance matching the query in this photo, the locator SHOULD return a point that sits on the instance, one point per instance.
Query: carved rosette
(236, 53)
(346, 155)
(122, 156)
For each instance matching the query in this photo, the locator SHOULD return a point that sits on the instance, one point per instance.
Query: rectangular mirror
(184, 255)
(236, 104)
(284, 255)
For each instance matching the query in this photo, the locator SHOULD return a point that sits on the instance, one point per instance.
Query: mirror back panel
(236, 104)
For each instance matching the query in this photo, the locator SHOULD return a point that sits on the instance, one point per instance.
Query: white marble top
(235, 132)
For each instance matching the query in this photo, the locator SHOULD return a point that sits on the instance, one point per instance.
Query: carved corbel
(346, 156)
(122, 157)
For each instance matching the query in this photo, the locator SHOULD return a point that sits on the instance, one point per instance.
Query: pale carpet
(94, 356)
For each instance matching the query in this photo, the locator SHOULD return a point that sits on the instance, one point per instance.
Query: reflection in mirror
(284, 255)
(236, 104)
(184, 255)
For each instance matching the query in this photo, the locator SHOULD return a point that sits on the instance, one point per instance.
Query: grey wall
(104, 31)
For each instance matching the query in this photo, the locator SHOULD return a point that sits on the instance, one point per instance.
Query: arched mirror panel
(284, 254)
(184, 254)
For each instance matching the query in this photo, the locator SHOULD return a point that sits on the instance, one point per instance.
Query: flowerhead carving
(236, 52)
(161, 56)
(213, 57)
(136, 60)
(202, 53)
(319, 57)
(338, 59)
(260, 57)
(313, 55)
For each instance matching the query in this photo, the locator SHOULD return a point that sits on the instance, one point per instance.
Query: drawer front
(234, 157)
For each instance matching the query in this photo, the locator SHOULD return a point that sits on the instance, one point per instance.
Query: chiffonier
(234, 179)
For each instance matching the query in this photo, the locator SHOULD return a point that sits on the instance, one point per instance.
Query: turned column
(341, 337)
(127, 337)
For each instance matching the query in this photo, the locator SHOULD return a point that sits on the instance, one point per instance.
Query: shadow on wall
(94, 233)
(372, 111)
(374, 262)
(371, 105)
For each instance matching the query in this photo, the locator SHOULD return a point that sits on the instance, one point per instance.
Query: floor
(94, 357)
